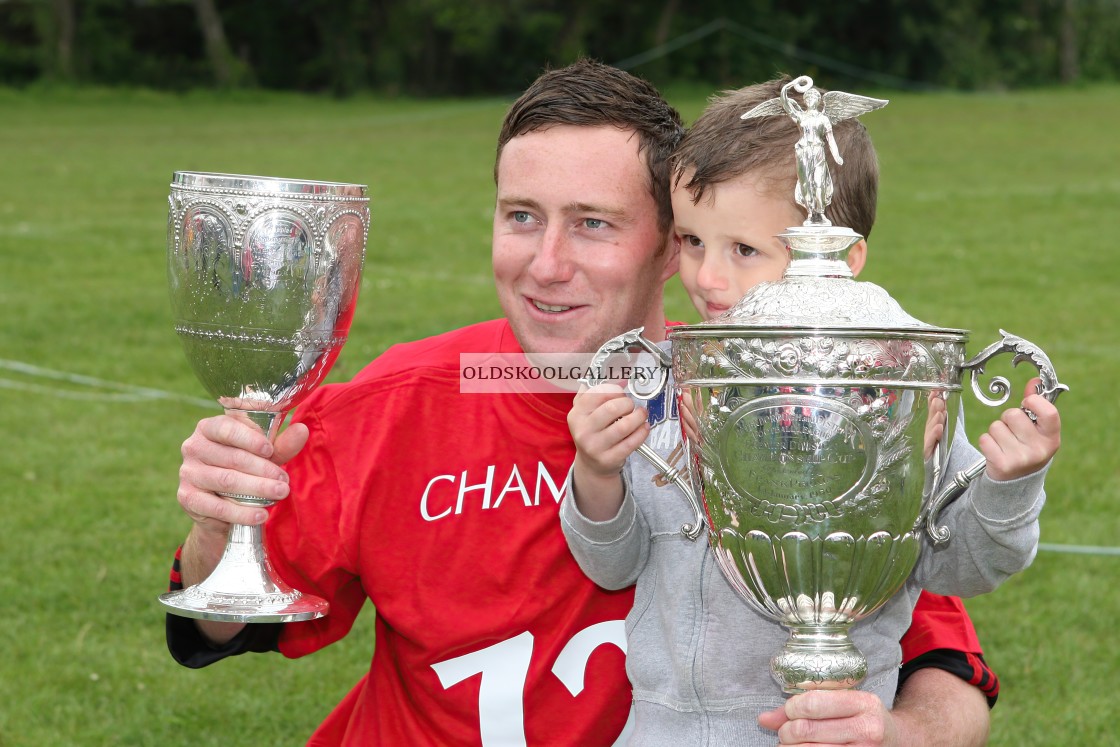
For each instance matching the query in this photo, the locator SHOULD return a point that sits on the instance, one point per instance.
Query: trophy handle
(1049, 387)
(623, 343)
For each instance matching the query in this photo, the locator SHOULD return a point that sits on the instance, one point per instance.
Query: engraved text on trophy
(797, 455)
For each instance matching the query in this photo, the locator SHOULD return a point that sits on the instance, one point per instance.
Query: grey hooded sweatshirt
(698, 656)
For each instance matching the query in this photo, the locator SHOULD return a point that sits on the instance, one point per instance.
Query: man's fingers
(834, 717)
(214, 514)
(228, 456)
(237, 432)
(229, 443)
(772, 720)
(818, 704)
(289, 443)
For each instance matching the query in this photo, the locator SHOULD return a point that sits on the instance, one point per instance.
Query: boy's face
(728, 242)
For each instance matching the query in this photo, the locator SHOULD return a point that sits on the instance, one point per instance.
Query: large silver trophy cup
(264, 276)
(809, 414)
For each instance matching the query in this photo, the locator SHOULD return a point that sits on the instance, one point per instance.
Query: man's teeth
(547, 307)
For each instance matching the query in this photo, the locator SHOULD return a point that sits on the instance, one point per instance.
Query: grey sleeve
(612, 553)
(993, 526)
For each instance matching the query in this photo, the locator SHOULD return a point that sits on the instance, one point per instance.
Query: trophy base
(244, 588)
(822, 658)
(264, 608)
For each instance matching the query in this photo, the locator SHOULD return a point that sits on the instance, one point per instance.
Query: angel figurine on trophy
(814, 182)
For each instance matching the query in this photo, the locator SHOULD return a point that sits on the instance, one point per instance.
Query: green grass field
(996, 211)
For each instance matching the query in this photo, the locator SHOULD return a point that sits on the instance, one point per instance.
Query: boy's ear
(857, 256)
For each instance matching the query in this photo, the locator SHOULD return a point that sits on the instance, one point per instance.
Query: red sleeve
(939, 622)
(941, 635)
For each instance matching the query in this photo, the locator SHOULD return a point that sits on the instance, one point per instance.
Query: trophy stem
(819, 251)
(819, 658)
(267, 421)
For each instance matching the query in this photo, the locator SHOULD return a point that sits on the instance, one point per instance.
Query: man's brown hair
(590, 94)
(721, 146)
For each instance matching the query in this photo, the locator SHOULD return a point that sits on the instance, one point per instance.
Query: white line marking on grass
(1079, 549)
(111, 391)
(128, 393)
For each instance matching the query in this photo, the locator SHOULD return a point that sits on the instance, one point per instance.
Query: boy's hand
(935, 423)
(1015, 445)
(607, 428)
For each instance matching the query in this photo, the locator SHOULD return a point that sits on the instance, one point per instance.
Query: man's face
(578, 256)
(728, 242)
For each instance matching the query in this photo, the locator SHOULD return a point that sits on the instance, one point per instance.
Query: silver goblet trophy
(264, 276)
(804, 412)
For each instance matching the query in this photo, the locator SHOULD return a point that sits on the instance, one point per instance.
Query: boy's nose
(713, 272)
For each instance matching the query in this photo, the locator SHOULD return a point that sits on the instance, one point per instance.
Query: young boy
(697, 655)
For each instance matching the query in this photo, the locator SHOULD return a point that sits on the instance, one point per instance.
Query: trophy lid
(818, 291)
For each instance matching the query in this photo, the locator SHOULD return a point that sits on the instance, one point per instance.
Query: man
(441, 507)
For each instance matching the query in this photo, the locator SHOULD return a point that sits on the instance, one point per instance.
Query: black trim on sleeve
(189, 648)
(969, 667)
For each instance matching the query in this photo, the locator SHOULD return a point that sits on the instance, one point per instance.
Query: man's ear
(672, 256)
(857, 256)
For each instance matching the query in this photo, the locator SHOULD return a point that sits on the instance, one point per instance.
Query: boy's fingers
(1046, 416)
(594, 396)
(609, 411)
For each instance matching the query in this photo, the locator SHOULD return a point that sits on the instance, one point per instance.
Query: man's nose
(553, 261)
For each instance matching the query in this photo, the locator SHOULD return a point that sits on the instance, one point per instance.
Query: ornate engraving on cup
(784, 356)
(264, 276)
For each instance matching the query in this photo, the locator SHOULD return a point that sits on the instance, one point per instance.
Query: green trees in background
(456, 47)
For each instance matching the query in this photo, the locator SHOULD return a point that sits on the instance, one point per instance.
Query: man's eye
(743, 250)
(594, 223)
(520, 216)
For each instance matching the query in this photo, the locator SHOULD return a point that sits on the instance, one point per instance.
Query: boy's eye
(692, 240)
(743, 250)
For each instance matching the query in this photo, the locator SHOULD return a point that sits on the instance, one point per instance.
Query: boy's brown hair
(591, 94)
(720, 146)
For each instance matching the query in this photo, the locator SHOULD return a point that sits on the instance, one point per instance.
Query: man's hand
(851, 717)
(226, 454)
(934, 708)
